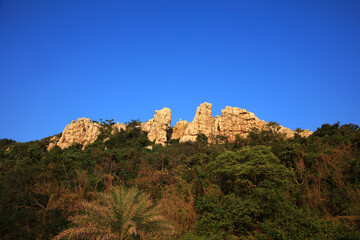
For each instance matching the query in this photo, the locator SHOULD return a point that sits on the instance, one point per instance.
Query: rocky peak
(83, 131)
(203, 123)
(233, 121)
(158, 126)
(179, 129)
(117, 127)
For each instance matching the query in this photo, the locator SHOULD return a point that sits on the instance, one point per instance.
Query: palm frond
(120, 214)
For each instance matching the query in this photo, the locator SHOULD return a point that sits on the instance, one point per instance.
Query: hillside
(229, 177)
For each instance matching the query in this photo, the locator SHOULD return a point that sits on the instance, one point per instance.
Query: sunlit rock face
(290, 133)
(158, 127)
(232, 122)
(53, 142)
(83, 131)
(203, 123)
(179, 129)
(117, 127)
(236, 121)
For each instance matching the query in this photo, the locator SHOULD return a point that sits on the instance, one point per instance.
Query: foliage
(202, 138)
(119, 214)
(264, 186)
(269, 135)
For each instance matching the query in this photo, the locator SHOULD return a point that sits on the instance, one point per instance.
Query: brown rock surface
(179, 129)
(82, 131)
(203, 123)
(158, 126)
(290, 133)
(306, 133)
(233, 121)
(53, 142)
(118, 127)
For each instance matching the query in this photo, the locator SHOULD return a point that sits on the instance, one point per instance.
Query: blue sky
(293, 62)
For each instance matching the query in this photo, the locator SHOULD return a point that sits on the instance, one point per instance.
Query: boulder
(83, 131)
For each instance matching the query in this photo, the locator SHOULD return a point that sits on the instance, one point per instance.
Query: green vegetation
(261, 187)
(121, 214)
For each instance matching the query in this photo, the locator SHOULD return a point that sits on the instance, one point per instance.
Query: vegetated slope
(264, 186)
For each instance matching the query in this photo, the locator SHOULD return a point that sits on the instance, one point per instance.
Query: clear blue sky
(293, 62)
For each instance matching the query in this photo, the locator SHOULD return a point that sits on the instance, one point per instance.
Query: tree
(120, 214)
(249, 169)
(267, 136)
(202, 138)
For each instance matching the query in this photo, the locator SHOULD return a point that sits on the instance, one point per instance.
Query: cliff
(233, 121)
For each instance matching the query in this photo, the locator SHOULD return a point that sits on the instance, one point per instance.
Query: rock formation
(53, 142)
(179, 129)
(236, 121)
(118, 127)
(158, 126)
(83, 131)
(203, 123)
(233, 121)
(290, 133)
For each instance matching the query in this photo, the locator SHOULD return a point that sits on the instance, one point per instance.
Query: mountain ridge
(233, 122)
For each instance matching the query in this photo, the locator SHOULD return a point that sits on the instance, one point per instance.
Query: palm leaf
(120, 214)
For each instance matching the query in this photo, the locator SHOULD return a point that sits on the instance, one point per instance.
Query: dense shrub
(260, 187)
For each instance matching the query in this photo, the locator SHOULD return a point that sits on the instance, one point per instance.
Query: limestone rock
(53, 142)
(302, 133)
(118, 127)
(203, 123)
(158, 126)
(306, 133)
(233, 121)
(179, 129)
(82, 131)
(236, 121)
(146, 126)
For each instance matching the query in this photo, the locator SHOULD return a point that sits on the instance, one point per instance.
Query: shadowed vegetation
(119, 214)
(260, 187)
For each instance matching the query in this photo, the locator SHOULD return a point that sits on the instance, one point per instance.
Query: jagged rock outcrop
(83, 131)
(53, 142)
(117, 127)
(233, 121)
(290, 133)
(236, 121)
(158, 127)
(179, 129)
(203, 123)
(305, 133)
